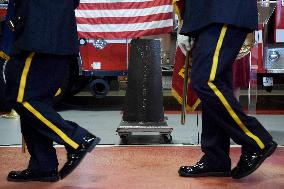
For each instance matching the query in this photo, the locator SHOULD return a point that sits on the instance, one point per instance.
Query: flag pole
(185, 87)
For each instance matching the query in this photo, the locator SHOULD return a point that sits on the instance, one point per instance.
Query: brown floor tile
(143, 167)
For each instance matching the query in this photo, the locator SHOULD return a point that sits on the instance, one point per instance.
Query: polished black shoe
(250, 161)
(32, 175)
(202, 170)
(75, 157)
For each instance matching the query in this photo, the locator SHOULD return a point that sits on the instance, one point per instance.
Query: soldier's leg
(43, 154)
(216, 48)
(40, 77)
(214, 53)
(43, 164)
(221, 104)
(215, 142)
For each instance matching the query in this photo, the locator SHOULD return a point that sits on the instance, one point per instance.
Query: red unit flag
(178, 80)
(179, 67)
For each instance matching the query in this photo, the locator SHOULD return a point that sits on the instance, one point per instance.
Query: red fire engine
(103, 60)
(106, 60)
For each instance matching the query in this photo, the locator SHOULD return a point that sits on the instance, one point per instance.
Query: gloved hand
(185, 42)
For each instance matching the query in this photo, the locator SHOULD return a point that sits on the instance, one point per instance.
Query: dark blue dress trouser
(216, 48)
(32, 81)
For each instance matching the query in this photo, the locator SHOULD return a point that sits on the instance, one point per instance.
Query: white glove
(184, 42)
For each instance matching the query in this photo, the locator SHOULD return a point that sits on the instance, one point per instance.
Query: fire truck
(106, 61)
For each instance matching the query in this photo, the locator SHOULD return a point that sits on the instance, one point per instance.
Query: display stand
(143, 108)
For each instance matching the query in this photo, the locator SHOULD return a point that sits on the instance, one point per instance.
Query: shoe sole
(47, 179)
(266, 155)
(90, 149)
(208, 174)
(21, 180)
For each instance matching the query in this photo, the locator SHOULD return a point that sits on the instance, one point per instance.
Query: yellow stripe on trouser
(34, 111)
(23, 80)
(50, 125)
(221, 96)
(4, 56)
(58, 92)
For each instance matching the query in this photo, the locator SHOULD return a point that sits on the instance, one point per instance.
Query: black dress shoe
(32, 175)
(202, 170)
(250, 161)
(75, 157)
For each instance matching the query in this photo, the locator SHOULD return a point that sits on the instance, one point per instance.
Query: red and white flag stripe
(124, 18)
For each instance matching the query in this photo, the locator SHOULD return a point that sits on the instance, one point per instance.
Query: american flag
(124, 18)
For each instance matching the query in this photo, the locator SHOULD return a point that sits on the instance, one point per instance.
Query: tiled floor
(143, 167)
